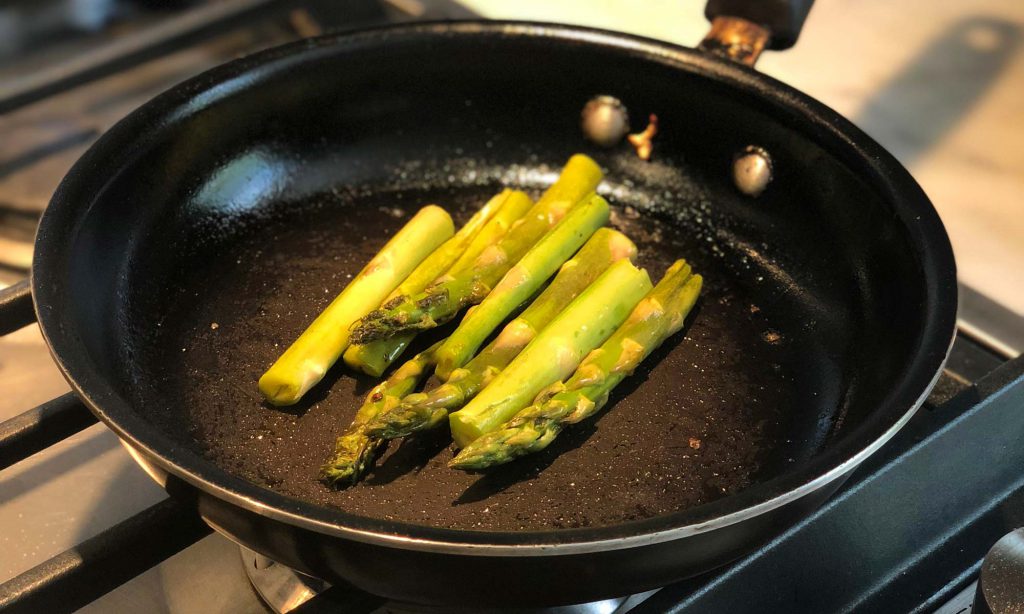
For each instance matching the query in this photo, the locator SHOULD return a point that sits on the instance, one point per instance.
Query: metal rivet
(752, 170)
(605, 120)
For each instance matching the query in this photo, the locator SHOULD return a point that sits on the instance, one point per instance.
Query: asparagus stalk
(499, 213)
(306, 361)
(655, 318)
(424, 410)
(555, 353)
(521, 282)
(470, 284)
(355, 450)
(511, 212)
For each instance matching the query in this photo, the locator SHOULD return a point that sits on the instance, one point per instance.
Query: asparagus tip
(404, 421)
(336, 475)
(354, 456)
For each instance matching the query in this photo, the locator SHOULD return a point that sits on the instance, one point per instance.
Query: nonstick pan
(197, 237)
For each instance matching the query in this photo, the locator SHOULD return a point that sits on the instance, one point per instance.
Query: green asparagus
(421, 410)
(306, 361)
(521, 282)
(355, 450)
(658, 316)
(469, 285)
(499, 212)
(555, 353)
(511, 212)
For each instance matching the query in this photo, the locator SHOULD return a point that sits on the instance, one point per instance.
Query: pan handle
(742, 29)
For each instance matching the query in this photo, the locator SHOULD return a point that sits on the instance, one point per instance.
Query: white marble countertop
(940, 83)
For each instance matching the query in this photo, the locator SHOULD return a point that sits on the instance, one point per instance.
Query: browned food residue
(643, 142)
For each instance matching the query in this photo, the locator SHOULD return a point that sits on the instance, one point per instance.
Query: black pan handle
(742, 29)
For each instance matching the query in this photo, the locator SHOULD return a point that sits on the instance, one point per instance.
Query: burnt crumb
(639, 457)
(643, 141)
(433, 299)
(393, 303)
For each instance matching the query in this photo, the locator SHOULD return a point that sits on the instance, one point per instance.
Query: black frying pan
(199, 236)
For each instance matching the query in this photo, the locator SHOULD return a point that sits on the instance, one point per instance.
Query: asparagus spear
(657, 317)
(555, 353)
(421, 410)
(521, 282)
(496, 215)
(470, 284)
(511, 212)
(355, 450)
(306, 361)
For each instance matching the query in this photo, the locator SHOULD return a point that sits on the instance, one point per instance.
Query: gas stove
(86, 529)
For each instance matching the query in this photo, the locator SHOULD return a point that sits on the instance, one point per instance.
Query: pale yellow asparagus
(467, 286)
(521, 282)
(498, 213)
(424, 410)
(515, 207)
(307, 360)
(555, 353)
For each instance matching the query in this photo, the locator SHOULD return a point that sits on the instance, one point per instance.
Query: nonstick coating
(199, 236)
(699, 421)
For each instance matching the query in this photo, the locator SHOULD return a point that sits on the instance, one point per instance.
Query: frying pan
(203, 231)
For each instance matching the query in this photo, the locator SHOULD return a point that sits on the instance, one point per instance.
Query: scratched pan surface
(203, 233)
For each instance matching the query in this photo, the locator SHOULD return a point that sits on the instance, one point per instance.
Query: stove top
(907, 533)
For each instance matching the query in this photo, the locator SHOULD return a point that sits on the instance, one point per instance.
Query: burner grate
(98, 565)
(41, 427)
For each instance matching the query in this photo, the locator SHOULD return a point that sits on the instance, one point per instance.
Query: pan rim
(886, 174)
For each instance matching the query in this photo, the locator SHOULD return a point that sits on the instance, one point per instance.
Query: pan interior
(251, 207)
